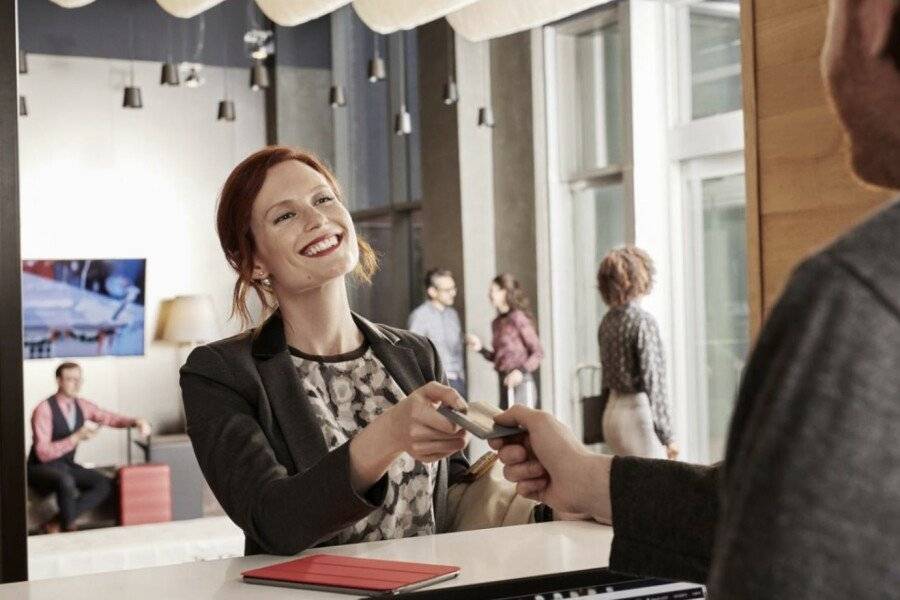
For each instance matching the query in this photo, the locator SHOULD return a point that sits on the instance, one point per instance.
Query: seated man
(807, 502)
(58, 424)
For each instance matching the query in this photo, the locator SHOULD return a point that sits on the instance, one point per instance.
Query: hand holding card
(478, 419)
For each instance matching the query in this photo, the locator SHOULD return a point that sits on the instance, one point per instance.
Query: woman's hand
(473, 343)
(413, 425)
(672, 450)
(418, 429)
(513, 378)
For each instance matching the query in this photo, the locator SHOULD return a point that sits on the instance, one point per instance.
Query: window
(709, 41)
(715, 219)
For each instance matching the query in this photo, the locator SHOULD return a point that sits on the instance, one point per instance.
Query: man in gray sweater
(807, 502)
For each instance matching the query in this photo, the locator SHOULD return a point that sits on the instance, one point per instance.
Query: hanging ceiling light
(169, 73)
(226, 105)
(336, 96)
(485, 117)
(259, 76)
(402, 120)
(23, 62)
(132, 96)
(23, 107)
(451, 93)
(485, 112)
(226, 111)
(377, 70)
(185, 9)
(193, 79)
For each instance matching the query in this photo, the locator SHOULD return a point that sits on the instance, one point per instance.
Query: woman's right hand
(473, 343)
(417, 428)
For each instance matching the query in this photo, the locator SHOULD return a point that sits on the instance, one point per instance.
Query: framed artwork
(83, 307)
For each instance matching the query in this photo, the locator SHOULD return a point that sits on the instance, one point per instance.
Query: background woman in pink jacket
(517, 349)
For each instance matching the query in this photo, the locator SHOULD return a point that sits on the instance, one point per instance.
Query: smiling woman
(318, 426)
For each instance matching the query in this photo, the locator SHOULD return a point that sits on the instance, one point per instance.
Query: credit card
(479, 420)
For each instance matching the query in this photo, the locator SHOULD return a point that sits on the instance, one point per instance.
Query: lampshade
(132, 97)
(402, 122)
(377, 70)
(191, 320)
(259, 76)
(488, 19)
(451, 93)
(387, 16)
(226, 111)
(336, 96)
(186, 8)
(485, 117)
(72, 3)
(169, 74)
(288, 13)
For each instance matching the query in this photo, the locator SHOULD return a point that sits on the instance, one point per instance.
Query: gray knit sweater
(807, 502)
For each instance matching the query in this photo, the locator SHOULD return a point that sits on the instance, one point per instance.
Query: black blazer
(261, 450)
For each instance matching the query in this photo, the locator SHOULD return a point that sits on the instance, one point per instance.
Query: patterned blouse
(516, 343)
(347, 392)
(632, 358)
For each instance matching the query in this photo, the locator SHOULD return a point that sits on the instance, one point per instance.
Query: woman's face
(304, 236)
(497, 295)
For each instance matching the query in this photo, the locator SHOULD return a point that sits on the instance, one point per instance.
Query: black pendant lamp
(23, 107)
(226, 111)
(337, 97)
(226, 105)
(259, 76)
(377, 70)
(402, 120)
(132, 95)
(169, 73)
(485, 117)
(451, 93)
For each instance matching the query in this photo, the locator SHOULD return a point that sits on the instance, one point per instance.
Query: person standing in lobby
(517, 351)
(637, 419)
(437, 320)
(58, 425)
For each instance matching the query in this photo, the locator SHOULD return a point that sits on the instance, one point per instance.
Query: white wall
(100, 181)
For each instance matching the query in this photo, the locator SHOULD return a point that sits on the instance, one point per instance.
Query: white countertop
(483, 555)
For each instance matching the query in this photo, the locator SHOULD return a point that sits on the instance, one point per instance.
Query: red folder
(346, 574)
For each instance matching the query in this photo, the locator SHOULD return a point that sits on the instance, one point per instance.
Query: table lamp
(191, 320)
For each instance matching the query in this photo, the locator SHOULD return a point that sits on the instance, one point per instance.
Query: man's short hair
(433, 274)
(64, 366)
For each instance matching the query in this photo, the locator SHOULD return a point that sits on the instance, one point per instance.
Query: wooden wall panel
(798, 172)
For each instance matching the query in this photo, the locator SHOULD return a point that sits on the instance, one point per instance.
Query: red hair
(233, 222)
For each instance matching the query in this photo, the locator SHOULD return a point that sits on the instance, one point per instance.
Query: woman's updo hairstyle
(625, 274)
(233, 224)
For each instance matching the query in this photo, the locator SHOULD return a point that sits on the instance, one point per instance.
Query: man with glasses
(437, 320)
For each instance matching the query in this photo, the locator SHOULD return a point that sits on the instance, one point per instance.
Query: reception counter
(484, 555)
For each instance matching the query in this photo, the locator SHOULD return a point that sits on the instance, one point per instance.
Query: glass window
(722, 338)
(598, 226)
(590, 83)
(599, 86)
(715, 58)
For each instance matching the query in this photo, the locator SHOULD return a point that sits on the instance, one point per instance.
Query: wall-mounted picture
(83, 307)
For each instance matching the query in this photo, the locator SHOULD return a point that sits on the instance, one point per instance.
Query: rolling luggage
(145, 493)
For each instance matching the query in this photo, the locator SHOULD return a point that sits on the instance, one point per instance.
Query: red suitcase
(145, 494)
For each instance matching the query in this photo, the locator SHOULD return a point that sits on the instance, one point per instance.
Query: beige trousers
(628, 426)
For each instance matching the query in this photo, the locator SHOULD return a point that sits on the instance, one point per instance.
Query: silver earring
(266, 282)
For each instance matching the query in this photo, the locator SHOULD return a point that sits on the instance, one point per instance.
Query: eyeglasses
(445, 289)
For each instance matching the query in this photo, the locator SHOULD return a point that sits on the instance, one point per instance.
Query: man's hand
(550, 465)
(473, 342)
(85, 432)
(143, 427)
